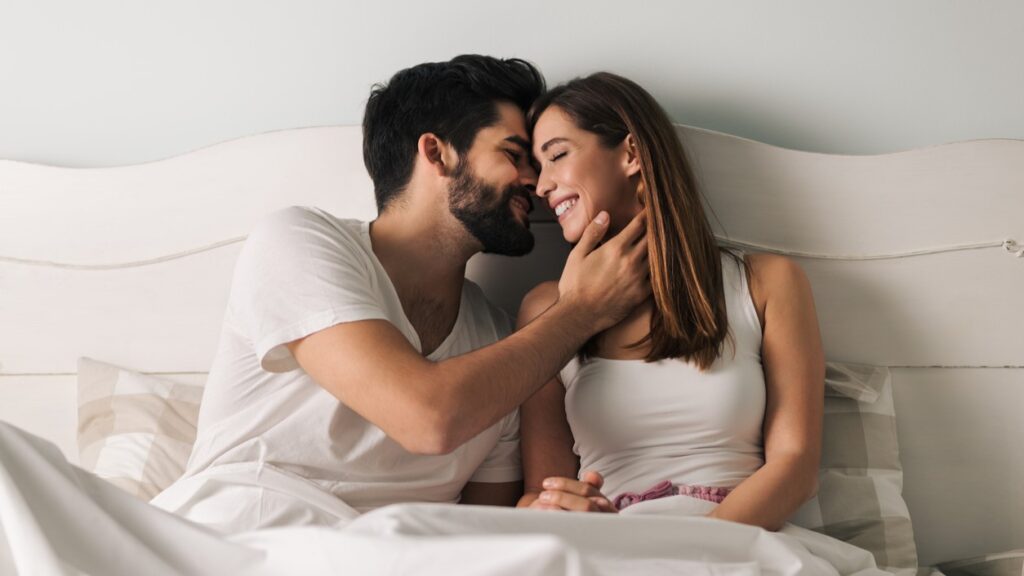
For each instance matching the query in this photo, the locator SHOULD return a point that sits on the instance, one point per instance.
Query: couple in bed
(357, 366)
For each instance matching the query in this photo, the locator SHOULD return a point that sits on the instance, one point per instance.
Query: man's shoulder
(300, 246)
(303, 226)
(307, 217)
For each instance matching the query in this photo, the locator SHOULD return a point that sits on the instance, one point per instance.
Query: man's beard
(487, 214)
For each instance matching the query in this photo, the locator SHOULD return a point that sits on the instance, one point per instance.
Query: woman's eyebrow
(549, 143)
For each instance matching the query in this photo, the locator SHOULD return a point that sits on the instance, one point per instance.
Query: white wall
(104, 83)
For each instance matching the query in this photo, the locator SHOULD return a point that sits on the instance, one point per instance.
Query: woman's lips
(565, 206)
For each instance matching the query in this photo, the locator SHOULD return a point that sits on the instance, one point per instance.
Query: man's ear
(632, 158)
(437, 154)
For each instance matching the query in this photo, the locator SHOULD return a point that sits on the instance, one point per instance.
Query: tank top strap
(743, 319)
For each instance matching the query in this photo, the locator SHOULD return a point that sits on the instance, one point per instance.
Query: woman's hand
(574, 495)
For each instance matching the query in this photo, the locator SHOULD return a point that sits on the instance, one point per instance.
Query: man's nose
(528, 177)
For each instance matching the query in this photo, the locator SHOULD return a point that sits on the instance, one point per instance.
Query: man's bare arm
(434, 407)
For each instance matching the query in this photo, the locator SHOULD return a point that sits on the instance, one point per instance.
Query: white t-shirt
(273, 447)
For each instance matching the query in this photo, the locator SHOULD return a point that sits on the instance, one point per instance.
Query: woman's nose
(544, 185)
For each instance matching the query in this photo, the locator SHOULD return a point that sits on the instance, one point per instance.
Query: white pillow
(1003, 564)
(860, 481)
(134, 430)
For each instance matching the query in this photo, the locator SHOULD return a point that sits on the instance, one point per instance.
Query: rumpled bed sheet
(58, 519)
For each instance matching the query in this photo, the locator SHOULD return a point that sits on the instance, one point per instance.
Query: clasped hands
(574, 495)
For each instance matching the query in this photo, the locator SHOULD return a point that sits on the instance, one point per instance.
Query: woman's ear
(437, 154)
(632, 160)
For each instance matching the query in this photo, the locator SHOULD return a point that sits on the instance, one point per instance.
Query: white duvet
(58, 519)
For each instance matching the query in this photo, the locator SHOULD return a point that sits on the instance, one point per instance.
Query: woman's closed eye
(557, 156)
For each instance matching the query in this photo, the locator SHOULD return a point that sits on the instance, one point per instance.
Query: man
(357, 366)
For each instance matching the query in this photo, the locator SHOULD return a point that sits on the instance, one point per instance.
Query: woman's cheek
(572, 227)
(590, 210)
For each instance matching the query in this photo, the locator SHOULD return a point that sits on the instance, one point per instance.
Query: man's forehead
(511, 125)
(497, 135)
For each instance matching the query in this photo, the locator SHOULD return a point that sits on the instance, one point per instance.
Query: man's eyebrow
(548, 144)
(519, 141)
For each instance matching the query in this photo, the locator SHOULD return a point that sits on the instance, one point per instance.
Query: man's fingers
(593, 234)
(638, 255)
(634, 233)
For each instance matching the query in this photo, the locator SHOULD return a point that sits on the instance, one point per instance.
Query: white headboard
(131, 265)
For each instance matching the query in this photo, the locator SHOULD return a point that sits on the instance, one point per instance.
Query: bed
(915, 259)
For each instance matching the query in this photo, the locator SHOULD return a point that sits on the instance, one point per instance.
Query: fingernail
(545, 496)
(549, 483)
(602, 217)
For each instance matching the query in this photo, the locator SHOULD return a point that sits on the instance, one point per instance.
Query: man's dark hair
(453, 100)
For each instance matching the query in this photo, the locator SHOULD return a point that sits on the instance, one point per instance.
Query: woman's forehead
(554, 118)
(554, 127)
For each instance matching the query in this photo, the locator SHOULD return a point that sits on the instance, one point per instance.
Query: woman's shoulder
(767, 266)
(773, 270)
(536, 301)
(774, 277)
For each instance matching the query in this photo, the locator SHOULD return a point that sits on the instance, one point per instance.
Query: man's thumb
(593, 234)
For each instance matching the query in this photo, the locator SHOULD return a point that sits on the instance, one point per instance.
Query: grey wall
(107, 83)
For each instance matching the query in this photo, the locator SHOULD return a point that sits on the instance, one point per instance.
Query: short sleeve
(299, 272)
(504, 463)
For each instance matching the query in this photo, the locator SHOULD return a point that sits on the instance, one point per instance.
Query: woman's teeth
(564, 206)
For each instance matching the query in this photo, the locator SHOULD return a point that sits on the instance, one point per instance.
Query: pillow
(134, 430)
(860, 482)
(1003, 564)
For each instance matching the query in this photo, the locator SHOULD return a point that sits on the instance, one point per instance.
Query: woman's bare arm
(794, 368)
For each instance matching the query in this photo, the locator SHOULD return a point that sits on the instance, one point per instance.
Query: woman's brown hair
(689, 320)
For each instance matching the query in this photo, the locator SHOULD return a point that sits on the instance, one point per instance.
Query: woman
(712, 388)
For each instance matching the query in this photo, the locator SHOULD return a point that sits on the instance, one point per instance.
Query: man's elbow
(433, 431)
(430, 417)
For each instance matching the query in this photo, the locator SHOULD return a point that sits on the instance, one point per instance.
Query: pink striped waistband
(666, 488)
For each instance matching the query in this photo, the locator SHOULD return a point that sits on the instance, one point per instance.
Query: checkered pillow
(860, 483)
(134, 430)
(1003, 564)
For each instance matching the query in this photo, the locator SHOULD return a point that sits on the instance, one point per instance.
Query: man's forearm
(477, 389)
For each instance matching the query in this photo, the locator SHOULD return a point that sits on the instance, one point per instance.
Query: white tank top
(640, 423)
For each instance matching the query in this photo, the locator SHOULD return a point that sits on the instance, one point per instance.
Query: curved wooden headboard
(132, 264)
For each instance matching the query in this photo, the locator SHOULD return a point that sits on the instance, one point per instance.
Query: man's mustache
(521, 191)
